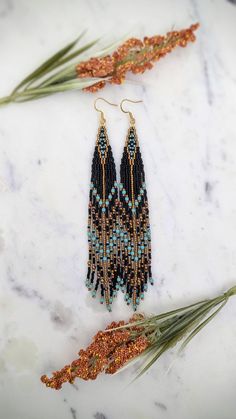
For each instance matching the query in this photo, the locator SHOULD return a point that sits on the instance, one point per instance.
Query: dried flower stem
(121, 342)
(134, 56)
(61, 73)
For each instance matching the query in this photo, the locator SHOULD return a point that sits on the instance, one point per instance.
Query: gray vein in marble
(161, 406)
(73, 413)
(99, 415)
(204, 62)
(6, 8)
(207, 83)
(61, 316)
(208, 190)
(28, 293)
(13, 178)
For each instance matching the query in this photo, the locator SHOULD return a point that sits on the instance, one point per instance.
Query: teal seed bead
(141, 191)
(109, 196)
(151, 281)
(117, 231)
(126, 199)
(118, 279)
(136, 258)
(139, 251)
(112, 190)
(100, 202)
(110, 300)
(121, 186)
(109, 308)
(142, 247)
(130, 204)
(142, 296)
(123, 192)
(145, 287)
(104, 258)
(107, 203)
(97, 197)
(94, 294)
(114, 238)
(108, 251)
(103, 209)
(139, 198)
(91, 185)
(115, 184)
(101, 300)
(129, 248)
(136, 203)
(101, 250)
(117, 286)
(126, 240)
(133, 210)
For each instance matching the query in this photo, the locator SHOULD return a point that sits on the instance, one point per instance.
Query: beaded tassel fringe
(134, 223)
(103, 224)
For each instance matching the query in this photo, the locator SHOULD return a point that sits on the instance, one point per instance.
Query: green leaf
(187, 319)
(152, 360)
(69, 70)
(78, 52)
(37, 93)
(153, 319)
(200, 327)
(45, 67)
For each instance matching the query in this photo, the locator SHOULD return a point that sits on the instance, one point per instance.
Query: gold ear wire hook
(102, 118)
(132, 120)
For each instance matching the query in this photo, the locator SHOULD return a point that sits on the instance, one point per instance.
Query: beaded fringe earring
(103, 220)
(134, 220)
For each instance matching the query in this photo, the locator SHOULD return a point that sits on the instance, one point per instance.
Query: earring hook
(102, 119)
(132, 120)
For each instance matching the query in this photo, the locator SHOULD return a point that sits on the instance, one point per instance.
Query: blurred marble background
(187, 131)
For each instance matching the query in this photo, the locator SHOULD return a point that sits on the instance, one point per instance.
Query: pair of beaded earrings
(118, 220)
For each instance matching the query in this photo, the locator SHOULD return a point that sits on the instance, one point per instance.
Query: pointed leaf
(43, 68)
(200, 327)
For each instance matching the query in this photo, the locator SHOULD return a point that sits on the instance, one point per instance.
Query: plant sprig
(70, 69)
(56, 74)
(145, 337)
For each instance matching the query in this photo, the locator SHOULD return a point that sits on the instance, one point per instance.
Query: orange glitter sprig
(122, 342)
(64, 71)
(134, 55)
(109, 351)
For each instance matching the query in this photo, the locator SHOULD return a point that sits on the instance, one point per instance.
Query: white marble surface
(187, 131)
